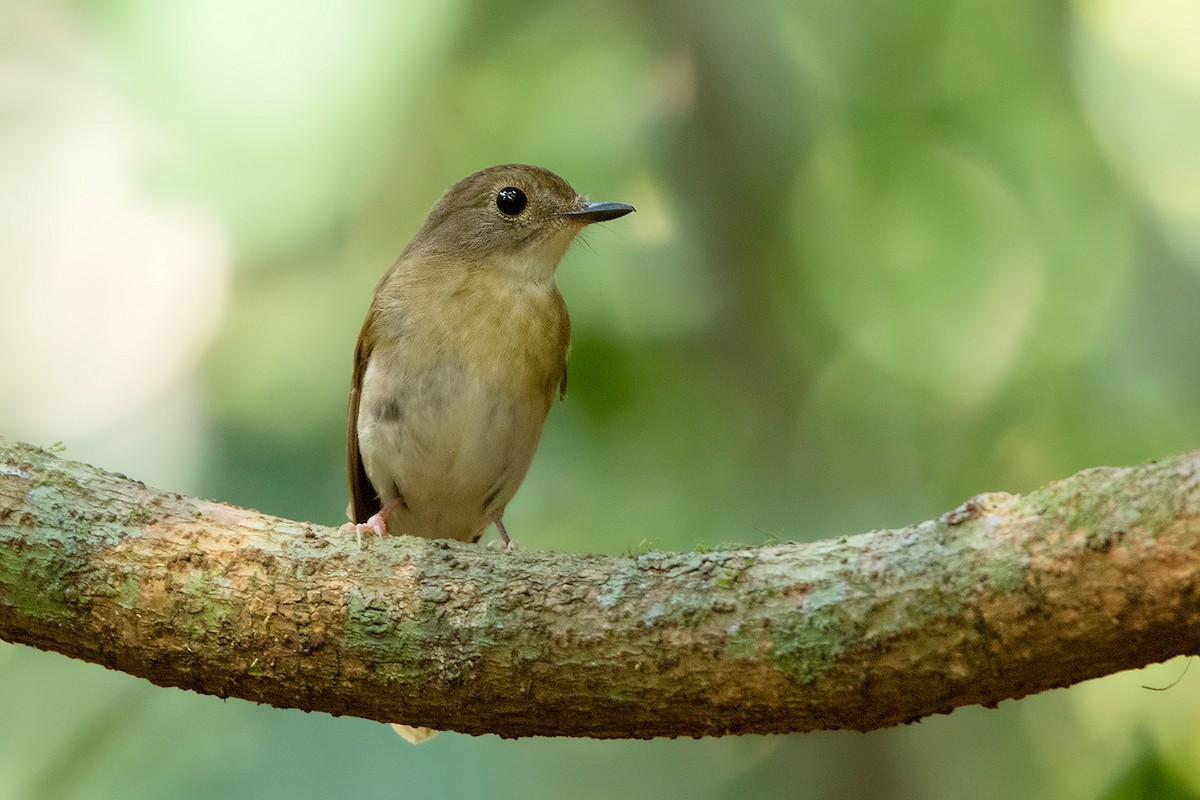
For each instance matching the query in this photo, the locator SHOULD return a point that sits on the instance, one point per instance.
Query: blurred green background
(886, 256)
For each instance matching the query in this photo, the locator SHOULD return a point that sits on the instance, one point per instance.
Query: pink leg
(505, 542)
(377, 522)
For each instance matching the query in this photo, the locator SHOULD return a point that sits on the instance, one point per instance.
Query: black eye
(511, 201)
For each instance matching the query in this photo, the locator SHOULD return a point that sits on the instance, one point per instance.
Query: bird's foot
(376, 523)
(350, 528)
(505, 543)
(510, 546)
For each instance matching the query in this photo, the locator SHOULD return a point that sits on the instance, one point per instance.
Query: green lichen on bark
(1108, 504)
(122, 586)
(210, 608)
(878, 588)
(38, 582)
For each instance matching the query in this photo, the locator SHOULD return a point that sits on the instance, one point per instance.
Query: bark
(1004, 596)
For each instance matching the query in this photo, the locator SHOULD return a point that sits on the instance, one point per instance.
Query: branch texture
(1002, 597)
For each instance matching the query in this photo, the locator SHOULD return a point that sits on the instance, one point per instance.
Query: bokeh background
(886, 256)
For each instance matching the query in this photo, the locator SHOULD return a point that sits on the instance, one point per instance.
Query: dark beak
(598, 212)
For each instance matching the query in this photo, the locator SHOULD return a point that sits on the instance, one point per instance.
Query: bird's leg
(504, 542)
(377, 522)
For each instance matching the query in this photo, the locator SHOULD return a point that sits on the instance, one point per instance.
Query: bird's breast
(452, 407)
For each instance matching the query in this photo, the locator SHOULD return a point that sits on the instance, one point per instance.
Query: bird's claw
(504, 546)
(375, 524)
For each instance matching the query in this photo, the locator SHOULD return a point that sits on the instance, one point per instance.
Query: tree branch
(1002, 597)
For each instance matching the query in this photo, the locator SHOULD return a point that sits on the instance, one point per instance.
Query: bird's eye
(511, 201)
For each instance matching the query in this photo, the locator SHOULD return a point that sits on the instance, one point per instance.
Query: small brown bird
(463, 350)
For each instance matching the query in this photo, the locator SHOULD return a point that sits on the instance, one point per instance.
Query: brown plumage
(462, 352)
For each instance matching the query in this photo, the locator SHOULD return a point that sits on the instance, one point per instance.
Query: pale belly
(453, 447)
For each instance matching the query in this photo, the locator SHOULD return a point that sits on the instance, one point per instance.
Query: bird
(462, 353)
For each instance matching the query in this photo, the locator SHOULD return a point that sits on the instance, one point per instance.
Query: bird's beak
(598, 212)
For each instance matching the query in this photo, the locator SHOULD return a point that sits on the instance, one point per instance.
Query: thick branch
(1002, 597)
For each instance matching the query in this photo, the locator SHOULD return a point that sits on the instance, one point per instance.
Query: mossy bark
(999, 598)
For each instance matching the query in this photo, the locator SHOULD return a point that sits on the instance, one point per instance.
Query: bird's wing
(565, 344)
(363, 499)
